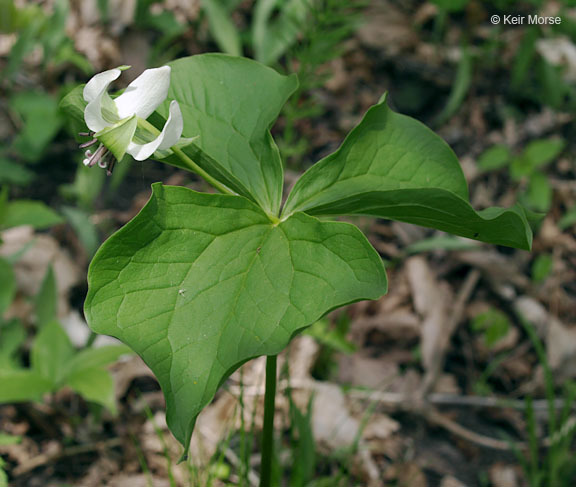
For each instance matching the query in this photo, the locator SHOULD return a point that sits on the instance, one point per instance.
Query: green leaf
(8, 16)
(95, 385)
(84, 228)
(568, 219)
(276, 27)
(7, 285)
(14, 173)
(231, 103)
(28, 212)
(51, 353)
(91, 358)
(9, 439)
(12, 336)
(197, 284)
(538, 153)
(493, 323)
(444, 242)
(460, 87)
(46, 300)
(329, 337)
(542, 267)
(539, 194)
(542, 152)
(41, 121)
(222, 28)
(73, 105)
(22, 386)
(497, 157)
(451, 5)
(392, 166)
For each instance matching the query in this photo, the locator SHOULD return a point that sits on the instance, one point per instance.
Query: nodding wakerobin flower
(120, 125)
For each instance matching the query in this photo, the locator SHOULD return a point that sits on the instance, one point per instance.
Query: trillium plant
(197, 283)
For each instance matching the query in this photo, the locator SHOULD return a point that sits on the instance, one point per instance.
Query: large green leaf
(392, 166)
(199, 283)
(231, 103)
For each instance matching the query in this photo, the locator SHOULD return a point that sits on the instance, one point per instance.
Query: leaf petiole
(145, 125)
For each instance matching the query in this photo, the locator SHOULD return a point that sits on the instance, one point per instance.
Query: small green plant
(551, 465)
(493, 324)
(526, 168)
(54, 363)
(198, 283)
(275, 26)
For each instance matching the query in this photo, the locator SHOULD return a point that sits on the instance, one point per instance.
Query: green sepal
(117, 137)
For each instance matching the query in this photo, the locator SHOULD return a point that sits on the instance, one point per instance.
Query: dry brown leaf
(561, 349)
(559, 51)
(406, 475)
(431, 300)
(31, 267)
(138, 480)
(449, 481)
(332, 424)
(374, 373)
(388, 28)
(380, 427)
(502, 475)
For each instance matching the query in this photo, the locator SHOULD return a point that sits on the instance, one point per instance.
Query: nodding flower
(119, 124)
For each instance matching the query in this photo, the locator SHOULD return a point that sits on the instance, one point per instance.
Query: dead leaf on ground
(449, 481)
(431, 300)
(333, 425)
(30, 269)
(502, 475)
(388, 28)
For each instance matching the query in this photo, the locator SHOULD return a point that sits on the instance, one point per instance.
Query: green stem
(189, 163)
(268, 431)
(198, 170)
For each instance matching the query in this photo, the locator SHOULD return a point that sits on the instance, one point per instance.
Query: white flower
(115, 122)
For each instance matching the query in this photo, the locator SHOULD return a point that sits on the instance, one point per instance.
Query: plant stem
(198, 170)
(268, 431)
(189, 163)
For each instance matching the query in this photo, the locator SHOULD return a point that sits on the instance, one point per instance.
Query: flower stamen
(88, 144)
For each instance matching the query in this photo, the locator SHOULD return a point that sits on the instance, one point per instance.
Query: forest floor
(427, 386)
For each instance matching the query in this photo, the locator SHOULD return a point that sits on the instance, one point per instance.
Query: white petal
(93, 115)
(99, 83)
(145, 93)
(168, 137)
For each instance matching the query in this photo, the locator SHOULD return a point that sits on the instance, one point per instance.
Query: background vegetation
(462, 375)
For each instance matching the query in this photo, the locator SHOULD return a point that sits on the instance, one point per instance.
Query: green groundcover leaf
(198, 284)
(22, 386)
(29, 212)
(231, 103)
(392, 166)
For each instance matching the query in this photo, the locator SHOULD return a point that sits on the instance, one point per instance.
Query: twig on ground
(71, 451)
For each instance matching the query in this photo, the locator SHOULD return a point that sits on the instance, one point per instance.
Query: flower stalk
(267, 453)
